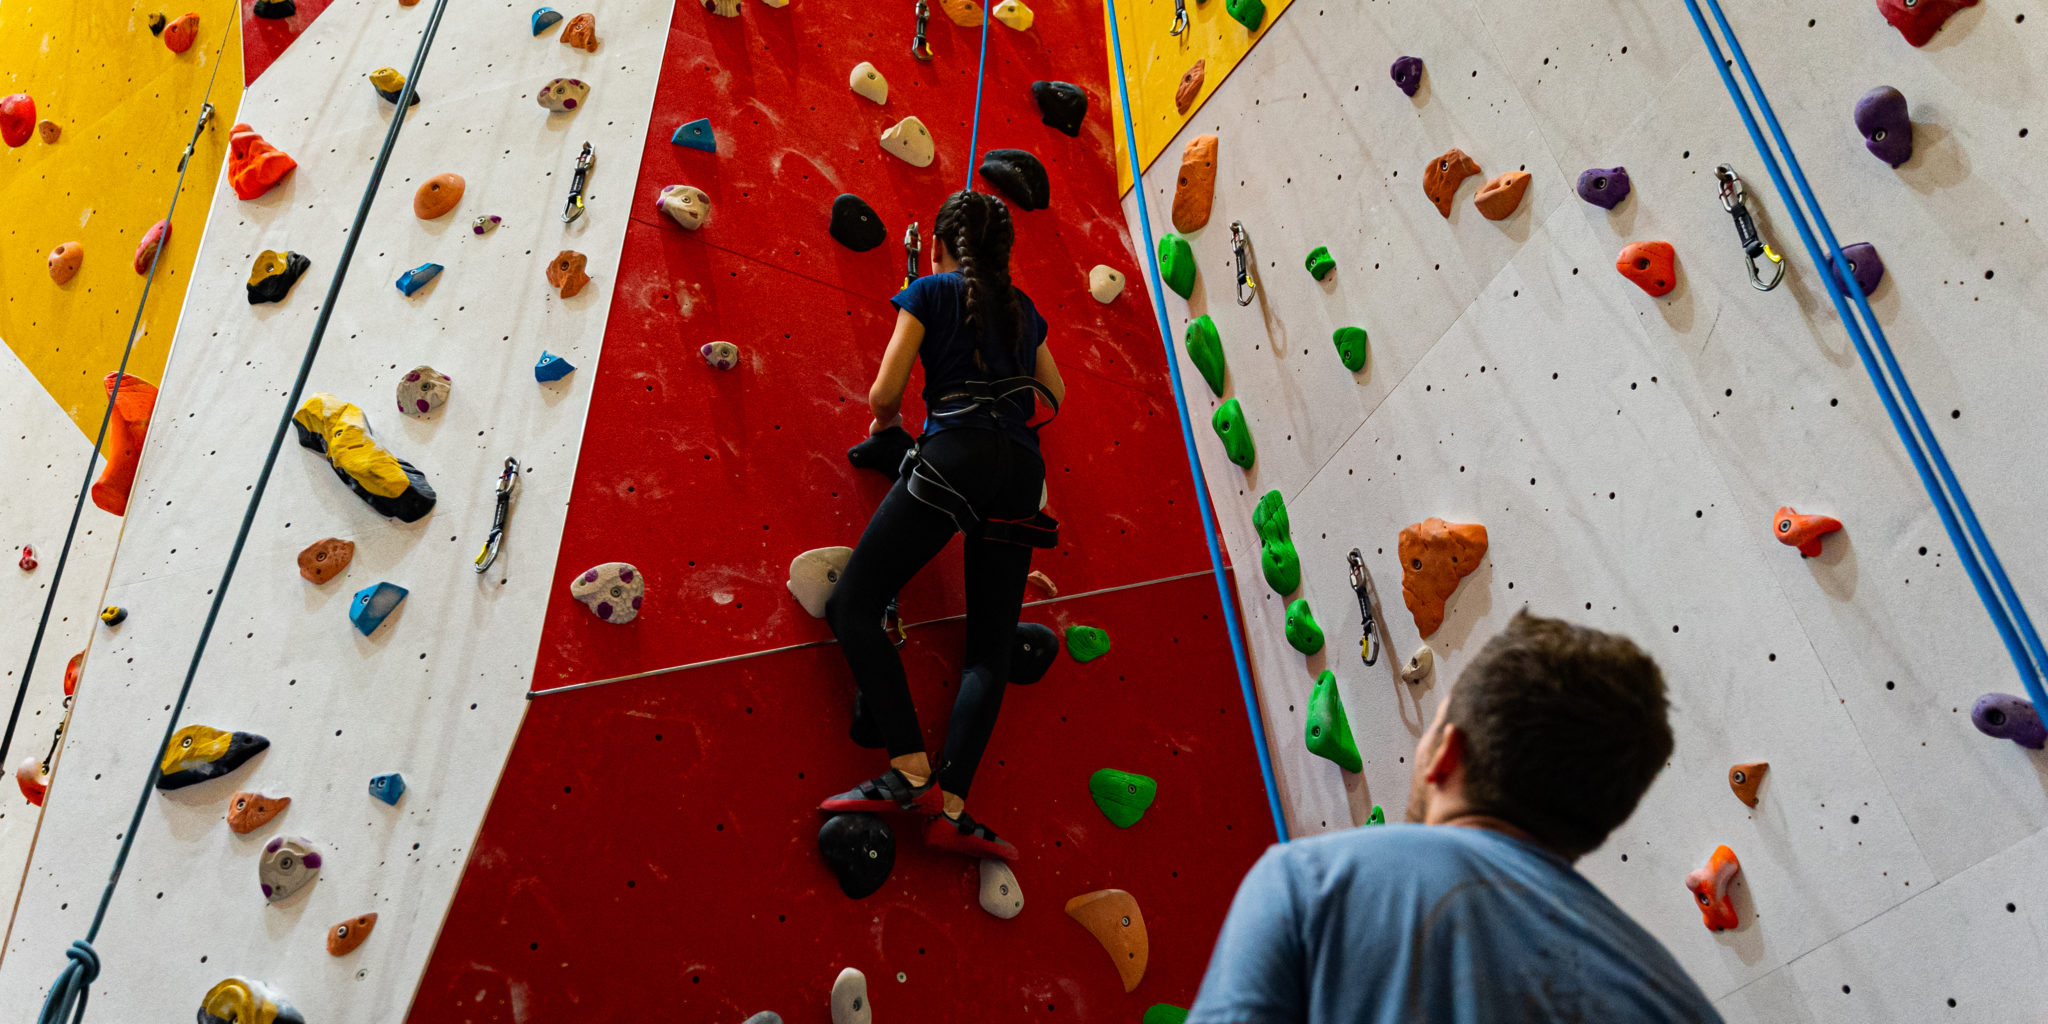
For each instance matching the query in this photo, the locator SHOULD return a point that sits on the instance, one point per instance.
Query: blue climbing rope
(974, 134)
(1973, 548)
(65, 1003)
(1187, 436)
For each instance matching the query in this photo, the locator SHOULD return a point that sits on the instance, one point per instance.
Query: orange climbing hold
(965, 13)
(1802, 532)
(342, 939)
(50, 130)
(152, 242)
(126, 429)
(73, 669)
(1441, 178)
(178, 35)
(1653, 266)
(581, 33)
(437, 196)
(1498, 199)
(1435, 556)
(1196, 191)
(1112, 916)
(566, 272)
(1710, 886)
(65, 261)
(253, 164)
(1190, 86)
(249, 811)
(1745, 778)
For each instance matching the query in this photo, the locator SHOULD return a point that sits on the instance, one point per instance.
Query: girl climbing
(976, 469)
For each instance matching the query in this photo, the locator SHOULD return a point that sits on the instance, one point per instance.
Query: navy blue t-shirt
(939, 302)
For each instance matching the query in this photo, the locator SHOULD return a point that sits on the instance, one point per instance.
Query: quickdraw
(1735, 199)
(892, 623)
(911, 248)
(582, 177)
(1180, 17)
(508, 482)
(921, 48)
(205, 115)
(1369, 645)
(1241, 244)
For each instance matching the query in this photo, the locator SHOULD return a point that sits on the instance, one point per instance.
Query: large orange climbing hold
(1441, 178)
(178, 35)
(1744, 779)
(1435, 556)
(437, 196)
(253, 164)
(1498, 199)
(1710, 886)
(1112, 916)
(1196, 191)
(126, 430)
(1802, 532)
(1653, 266)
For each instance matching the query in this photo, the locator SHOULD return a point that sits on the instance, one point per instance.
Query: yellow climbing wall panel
(1155, 58)
(126, 105)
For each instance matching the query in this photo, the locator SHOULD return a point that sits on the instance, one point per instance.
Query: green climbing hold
(1235, 432)
(1165, 1013)
(1177, 264)
(1205, 350)
(1329, 733)
(1379, 817)
(1277, 557)
(1249, 13)
(1086, 643)
(1320, 264)
(1302, 632)
(1269, 518)
(1123, 796)
(1351, 347)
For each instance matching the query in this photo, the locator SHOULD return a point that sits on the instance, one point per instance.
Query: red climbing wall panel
(658, 829)
(264, 38)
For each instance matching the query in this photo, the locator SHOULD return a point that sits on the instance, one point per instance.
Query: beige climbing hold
(685, 204)
(868, 83)
(581, 32)
(323, 560)
(850, 998)
(565, 272)
(1420, 664)
(965, 13)
(1014, 14)
(65, 261)
(1111, 915)
(611, 591)
(1042, 582)
(909, 139)
(723, 8)
(813, 574)
(1000, 893)
(49, 130)
(1105, 284)
(563, 94)
(423, 390)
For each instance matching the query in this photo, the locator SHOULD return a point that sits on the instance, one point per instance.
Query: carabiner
(1241, 243)
(508, 482)
(575, 207)
(892, 622)
(1735, 200)
(205, 115)
(1180, 17)
(911, 247)
(921, 48)
(1369, 644)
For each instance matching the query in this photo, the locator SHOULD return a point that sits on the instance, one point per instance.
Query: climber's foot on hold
(962, 834)
(889, 791)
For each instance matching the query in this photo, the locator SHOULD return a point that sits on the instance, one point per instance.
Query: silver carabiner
(1369, 644)
(508, 481)
(582, 177)
(1735, 200)
(920, 47)
(205, 115)
(1241, 244)
(1180, 17)
(911, 248)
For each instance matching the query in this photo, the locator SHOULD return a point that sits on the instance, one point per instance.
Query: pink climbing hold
(152, 242)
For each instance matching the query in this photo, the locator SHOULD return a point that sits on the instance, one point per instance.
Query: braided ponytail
(977, 230)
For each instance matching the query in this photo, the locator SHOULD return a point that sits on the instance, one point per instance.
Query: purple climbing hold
(1604, 187)
(2009, 718)
(1865, 263)
(1407, 73)
(1887, 128)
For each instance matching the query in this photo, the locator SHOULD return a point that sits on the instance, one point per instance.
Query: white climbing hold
(813, 574)
(868, 82)
(1014, 14)
(1105, 284)
(850, 999)
(723, 8)
(1420, 664)
(685, 204)
(910, 140)
(422, 391)
(563, 94)
(1000, 894)
(611, 591)
(722, 355)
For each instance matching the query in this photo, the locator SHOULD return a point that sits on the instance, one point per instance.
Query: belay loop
(1734, 199)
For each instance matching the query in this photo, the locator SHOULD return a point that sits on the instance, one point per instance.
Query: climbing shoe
(965, 835)
(889, 791)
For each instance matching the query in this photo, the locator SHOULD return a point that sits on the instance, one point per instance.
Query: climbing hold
(65, 261)
(388, 788)
(1190, 88)
(1435, 556)
(1919, 20)
(1277, 557)
(1329, 732)
(156, 24)
(1018, 175)
(1302, 632)
(244, 1001)
(1087, 643)
(723, 8)
(909, 140)
(813, 574)
(1043, 582)
(1864, 263)
(1164, 1013)
(545, 18)
(272, 276)
(289, 863)
(1195, 191)
(275, 10)
(868, 83)
(581, 32)
(1352, 346)
(881, 452)
(197, 753)
(850, 998)
(253, 164)
(1499, 198)
(1061, 105)
(2009, 718)
(249, 811)
(1320, 265)
(417, 278)
(373, 604)
(113, 615)
(49, 131)
(563, 94)
(860, 850)
(35, 782)
(338, 430)
(1123, 797)
(437, 196)
(486, 224)
(342, 939)
(565, 272)
(28, 558)
(551, 367)
(422, 390)
(767, 1016)
(1420, 664)
(855, 224)
(1407, 73)
(1744, 779)
(696, 135)
(73, 669)
(684, 204)
(1112, 916)
(721, 355)
(152, 243)
(611, 591)
(17, 119)
(1205, 350)
(1032, 652)
(776, 4)
(1377, 817)
(179, 34)
(965, 13)
(1000, 893)
(127, 429)
(1653, 266)
(391, 85)
(1604, 187)
(1886, 125)
(1104, 284)
(1249, 13)
(1236, 433)
(1177, 264)
(1441, 178)
(1710, 885)
(323, 560)
(1801, 531)
(1014, 14)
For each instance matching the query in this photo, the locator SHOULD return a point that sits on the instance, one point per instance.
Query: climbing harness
(911, 247)
(920, 47)
(923, 481)
(507, 483)
(1180, 17)
(205, 115)
(1369, 646)
(582, 177)
(1734, 199)
(1241, 244)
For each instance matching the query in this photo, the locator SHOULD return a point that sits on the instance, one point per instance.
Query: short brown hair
(1565, 727)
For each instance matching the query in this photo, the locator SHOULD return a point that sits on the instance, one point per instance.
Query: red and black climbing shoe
(965, 835)
(889, 791)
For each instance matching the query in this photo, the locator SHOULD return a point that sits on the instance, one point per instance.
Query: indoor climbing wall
(1175, 54)
(1626, 453)
(436, 693)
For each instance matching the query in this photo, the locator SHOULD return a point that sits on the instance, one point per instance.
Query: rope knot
(87, 959)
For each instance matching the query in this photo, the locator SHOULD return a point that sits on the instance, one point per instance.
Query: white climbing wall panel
(438, 692)
(1626, 454)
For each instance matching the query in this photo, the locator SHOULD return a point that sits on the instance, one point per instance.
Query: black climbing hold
(860, 849)
(1061, 105)
(156, 24)
(1018, 175)
(855, 224)
(881, 452)
(274, 274)
(275, 9)
(1033, 653)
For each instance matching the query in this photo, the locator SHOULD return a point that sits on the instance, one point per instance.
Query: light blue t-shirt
(1419, 924)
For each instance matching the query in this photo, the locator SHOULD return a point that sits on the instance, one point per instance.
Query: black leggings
(904, 535)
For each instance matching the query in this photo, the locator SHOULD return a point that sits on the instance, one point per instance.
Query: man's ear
(1447, 758)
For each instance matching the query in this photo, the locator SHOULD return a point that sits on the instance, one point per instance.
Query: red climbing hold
(72, 670)
(28, 558)
(253, 164)
(17, 119)
(126, 429)
(1653, 266)
(178, 35)
(1802, 532)
(34, 781)
(152, 241)
(1919, 20)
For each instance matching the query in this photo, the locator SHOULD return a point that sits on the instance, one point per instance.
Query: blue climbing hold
(388, 788)
(696, 135)
(545, 18)
(415, 279)
(374, 604)
(551, 368)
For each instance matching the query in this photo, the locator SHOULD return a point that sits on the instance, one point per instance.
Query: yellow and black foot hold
(246, 1001)
(340, 431)
(199, 752)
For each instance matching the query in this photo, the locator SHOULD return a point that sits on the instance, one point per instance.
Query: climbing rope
(1187, 436)
(974, 133)
(1973, 548)
(65, 1003)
